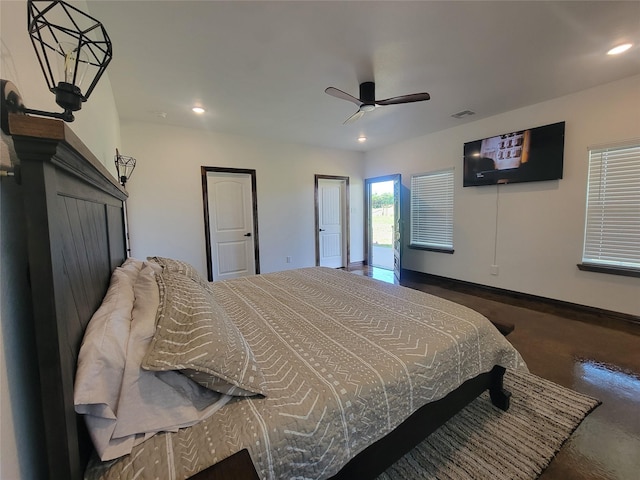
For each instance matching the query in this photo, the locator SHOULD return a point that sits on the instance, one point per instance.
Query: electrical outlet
(494, 269)
(288, 259)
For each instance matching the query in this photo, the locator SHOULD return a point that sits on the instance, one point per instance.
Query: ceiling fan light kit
(367, 101)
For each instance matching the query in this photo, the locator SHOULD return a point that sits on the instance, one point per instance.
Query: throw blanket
(345, 360)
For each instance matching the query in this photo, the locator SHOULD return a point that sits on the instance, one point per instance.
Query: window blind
(612, 227)
(432, 210)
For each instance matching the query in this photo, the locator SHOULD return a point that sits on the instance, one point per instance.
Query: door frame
(368, 224)
(345, 211)
(205, 205)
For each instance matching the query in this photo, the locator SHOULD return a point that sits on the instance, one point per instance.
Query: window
(432, 211)
(612, 226)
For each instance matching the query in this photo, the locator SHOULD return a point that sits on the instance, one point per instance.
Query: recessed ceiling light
(362, 139)
(198, 110)
(619, 49)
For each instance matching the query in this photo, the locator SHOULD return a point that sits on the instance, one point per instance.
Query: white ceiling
(260, 68)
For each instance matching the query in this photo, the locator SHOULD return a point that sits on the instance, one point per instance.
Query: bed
(76, 244)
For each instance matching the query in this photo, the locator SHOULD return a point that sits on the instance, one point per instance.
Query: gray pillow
(181, 267)
(195, 336)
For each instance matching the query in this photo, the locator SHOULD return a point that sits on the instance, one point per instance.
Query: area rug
(482, 442)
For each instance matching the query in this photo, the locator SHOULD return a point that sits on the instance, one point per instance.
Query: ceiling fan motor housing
(368, 93)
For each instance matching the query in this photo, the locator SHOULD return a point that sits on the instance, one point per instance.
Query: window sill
(627, 272)
(431, 249)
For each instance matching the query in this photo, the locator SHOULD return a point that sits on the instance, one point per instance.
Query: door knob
(247, 234)
(322, 229)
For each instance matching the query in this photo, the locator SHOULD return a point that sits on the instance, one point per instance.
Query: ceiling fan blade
(334, 92)
(354, 117)
(414, 97)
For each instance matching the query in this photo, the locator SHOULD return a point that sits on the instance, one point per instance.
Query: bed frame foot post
(499, 396)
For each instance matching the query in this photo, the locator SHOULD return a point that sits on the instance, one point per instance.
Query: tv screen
(531, 155)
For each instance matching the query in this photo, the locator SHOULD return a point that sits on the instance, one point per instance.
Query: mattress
(345, 360)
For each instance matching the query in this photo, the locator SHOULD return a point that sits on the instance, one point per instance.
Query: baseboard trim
(606, 318)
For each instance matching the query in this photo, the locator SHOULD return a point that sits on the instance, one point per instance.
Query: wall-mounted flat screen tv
(532, 155)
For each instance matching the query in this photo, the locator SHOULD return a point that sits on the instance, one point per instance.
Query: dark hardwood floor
(596, 360)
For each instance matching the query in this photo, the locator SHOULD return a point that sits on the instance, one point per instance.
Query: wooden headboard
(76, 237)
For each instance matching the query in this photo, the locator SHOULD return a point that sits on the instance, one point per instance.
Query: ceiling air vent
(464, 113)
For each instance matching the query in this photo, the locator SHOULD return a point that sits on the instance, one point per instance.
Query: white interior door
(230, 205)
(331, 222)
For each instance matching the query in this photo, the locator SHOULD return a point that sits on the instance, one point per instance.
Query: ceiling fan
(367, 101)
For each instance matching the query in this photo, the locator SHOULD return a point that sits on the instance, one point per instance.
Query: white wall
(539, 225)
(165, 193)
(97, 126)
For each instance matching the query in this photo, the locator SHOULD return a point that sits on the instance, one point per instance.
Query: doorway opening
(383, 222)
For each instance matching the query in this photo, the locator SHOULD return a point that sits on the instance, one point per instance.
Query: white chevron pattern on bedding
(195, 336)
(345, 358)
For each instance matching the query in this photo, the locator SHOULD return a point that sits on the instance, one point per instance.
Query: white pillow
(103, 351)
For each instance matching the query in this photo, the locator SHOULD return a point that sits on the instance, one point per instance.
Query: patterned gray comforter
(346, 360)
